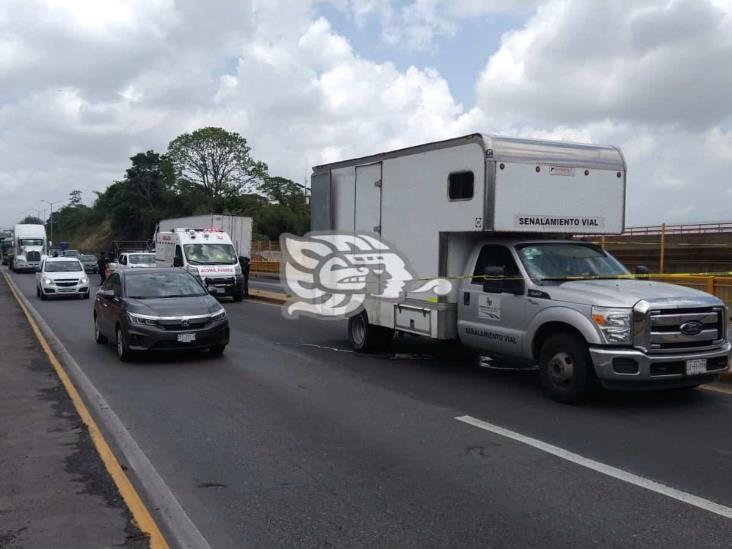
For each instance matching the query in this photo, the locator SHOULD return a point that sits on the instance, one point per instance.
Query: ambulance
(206, 253)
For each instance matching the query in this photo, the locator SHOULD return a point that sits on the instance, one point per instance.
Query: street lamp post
(50, 218)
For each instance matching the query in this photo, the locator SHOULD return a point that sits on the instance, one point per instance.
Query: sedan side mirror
(642, 270)
(177, 262)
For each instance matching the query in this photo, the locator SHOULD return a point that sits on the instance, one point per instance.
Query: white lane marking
(608, 470)
(326, 347)
(716, 389)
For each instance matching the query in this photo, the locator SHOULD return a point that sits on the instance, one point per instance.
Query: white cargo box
(517, 185)
(432, 201)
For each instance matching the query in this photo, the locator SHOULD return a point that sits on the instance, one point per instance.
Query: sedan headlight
(84, 280)
(142, 320)
(48, 281)
(616, 324)
(219, 315)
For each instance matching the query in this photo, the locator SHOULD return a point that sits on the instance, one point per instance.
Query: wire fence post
(663, 248)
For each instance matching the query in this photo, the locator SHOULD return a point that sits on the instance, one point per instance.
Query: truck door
(493, 321)
(367, 210)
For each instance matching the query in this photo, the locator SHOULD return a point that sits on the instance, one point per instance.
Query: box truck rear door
(367, 215)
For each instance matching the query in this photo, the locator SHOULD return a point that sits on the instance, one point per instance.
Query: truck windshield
(210, 254)
(142, 259)
(31, 242)
(561, 261)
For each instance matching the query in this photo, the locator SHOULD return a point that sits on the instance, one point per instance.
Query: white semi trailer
(495, 216)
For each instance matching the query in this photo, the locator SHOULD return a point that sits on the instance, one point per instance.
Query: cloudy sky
(84, 84)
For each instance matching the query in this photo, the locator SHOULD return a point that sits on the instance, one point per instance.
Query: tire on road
(218, 350)
(366, 337)
(98, 336)
(565, 368)
(123, 351)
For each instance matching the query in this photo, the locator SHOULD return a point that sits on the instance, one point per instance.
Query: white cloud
(82, 89)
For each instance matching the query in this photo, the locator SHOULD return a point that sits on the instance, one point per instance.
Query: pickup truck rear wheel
(565, 369)
(367, 338)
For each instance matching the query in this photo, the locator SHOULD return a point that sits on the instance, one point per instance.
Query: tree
(217, 160)
(31, 220)
(75, 198)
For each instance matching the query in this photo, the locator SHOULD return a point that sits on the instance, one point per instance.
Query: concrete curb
(269, 297)
(178, 526)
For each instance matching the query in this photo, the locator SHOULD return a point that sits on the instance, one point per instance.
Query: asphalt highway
(291, 440)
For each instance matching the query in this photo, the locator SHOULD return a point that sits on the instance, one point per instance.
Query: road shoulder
(57, 491)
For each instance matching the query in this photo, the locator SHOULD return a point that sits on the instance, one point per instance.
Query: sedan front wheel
(123, 351)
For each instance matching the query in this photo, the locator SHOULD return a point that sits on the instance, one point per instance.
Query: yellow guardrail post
(711, 285)
(663, 248)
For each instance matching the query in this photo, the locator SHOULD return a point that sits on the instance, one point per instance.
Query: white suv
(61, 276)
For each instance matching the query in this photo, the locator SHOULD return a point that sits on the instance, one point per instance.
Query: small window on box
(460, 186)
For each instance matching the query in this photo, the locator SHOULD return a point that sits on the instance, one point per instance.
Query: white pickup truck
(496, 216)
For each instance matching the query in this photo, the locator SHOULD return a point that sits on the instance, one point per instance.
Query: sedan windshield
(142, 259)
(560, 261)
(159, 285)
(63, 267)
(210, 254)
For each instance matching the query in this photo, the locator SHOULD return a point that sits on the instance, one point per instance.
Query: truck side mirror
(177, 262)
(642, 270)
(493, 281)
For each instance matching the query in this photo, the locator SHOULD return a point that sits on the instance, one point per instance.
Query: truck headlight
(193, 270)
(237, 269)
(142, 320)
(616, 324)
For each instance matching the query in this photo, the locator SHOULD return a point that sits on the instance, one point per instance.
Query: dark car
(158, 309)
(90, 263)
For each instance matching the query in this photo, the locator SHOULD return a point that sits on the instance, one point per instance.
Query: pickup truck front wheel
(565, 369)
(365, 337)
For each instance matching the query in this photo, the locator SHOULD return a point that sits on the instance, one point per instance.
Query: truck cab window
(492, 255)
(460, 186)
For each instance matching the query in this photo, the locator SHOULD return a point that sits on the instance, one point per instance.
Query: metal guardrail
(720, 286)
(687, 228)
(264, 266)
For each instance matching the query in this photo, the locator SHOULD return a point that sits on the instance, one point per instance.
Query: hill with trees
(210, 170)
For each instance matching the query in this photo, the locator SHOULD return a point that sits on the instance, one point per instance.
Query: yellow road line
(716, 389)
(139, 511)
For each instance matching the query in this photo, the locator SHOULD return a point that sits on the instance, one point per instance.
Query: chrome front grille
(684, 329)
(33, 256)
(66, 282)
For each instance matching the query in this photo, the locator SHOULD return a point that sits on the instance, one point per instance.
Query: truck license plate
(215, 290)
(696, 366)
(186, 338)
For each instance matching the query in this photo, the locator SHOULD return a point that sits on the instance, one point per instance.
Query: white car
(133, 260)
(62, 276)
